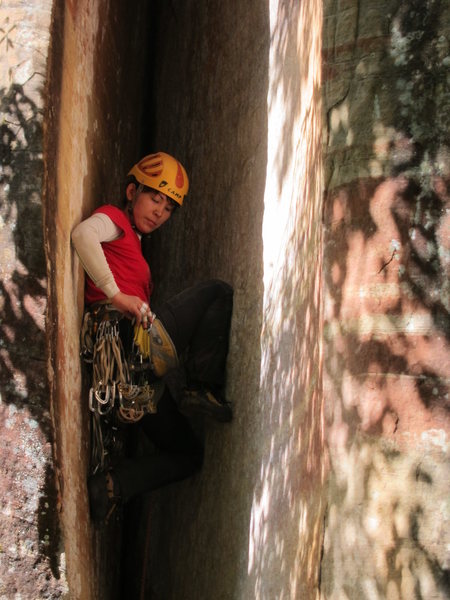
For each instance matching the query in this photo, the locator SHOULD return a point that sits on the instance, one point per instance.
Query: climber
(152, 367)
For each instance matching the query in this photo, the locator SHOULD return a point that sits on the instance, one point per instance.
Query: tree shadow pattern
(28, 482)
(386, 267)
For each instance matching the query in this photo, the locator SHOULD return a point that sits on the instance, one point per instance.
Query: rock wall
(31, 559)
(237, 94)
(332, 480)
(386, 267)
(92, 136)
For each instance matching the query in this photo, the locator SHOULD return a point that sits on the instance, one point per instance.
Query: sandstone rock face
(92, 138)
(31, 559)
(247, 124)
(69, 70)
(315, 135)
(386, 267)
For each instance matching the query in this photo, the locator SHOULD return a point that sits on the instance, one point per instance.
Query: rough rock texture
(238, 99)
(386, 269)
(97, 61)
(332, 480)
(31, 564)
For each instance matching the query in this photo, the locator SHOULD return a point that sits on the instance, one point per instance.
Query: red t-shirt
(124, 256)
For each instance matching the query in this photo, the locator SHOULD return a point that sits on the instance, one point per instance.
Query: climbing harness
(122, 389)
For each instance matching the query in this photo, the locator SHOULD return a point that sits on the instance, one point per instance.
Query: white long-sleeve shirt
(87, 238)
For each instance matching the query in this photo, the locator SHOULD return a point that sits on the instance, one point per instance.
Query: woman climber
(148, 368)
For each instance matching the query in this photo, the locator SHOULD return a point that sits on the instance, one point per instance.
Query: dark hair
(128, 180)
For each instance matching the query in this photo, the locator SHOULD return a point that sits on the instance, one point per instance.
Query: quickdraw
(109, 368)
(120, 389)
(113, 374)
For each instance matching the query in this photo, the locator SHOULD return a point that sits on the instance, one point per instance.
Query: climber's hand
(133, 308)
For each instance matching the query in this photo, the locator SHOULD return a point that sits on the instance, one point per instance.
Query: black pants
(198, 321)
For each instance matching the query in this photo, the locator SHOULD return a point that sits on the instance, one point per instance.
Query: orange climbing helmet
(163, 173)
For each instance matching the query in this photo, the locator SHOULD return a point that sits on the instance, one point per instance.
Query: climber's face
(150, 209)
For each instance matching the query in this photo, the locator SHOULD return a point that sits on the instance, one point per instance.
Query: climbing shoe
(104, 496)
(203, 401)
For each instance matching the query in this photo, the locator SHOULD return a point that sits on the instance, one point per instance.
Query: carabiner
(99, 397)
